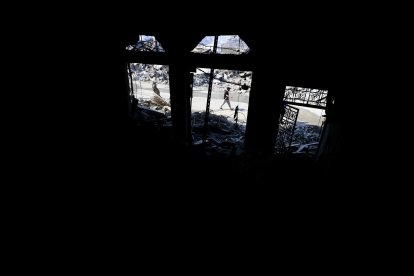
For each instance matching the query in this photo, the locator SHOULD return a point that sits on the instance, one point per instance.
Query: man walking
(226, 98)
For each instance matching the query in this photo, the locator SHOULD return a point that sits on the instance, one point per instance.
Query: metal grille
(306, 96)
(287, 125)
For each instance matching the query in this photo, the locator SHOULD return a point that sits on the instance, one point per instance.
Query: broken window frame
(149, 45)
(142, 57)
(216, 49)
(299, 96)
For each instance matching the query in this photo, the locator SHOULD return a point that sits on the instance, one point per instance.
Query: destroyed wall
(150, 72)
(223, 76)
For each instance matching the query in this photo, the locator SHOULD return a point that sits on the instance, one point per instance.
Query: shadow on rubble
(220, 162)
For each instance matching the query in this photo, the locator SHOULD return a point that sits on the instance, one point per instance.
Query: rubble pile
(223, 133)
(157, 103)
(305, 139)
(306, 134)
(221, 76)
(150, 72)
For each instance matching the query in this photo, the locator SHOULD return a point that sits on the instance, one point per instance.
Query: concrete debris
(148, 116)
(150, 72)
(154, 110)
(306, 134)
(221, 76)
(223, 136)
(306, 139)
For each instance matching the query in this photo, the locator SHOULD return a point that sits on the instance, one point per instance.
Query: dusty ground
(143, 90)
(310, 116)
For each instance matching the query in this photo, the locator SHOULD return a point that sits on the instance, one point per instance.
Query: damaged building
(268, 87)
(152, 133)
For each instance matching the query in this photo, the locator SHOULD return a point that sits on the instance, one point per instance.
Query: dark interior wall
(104, 167)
